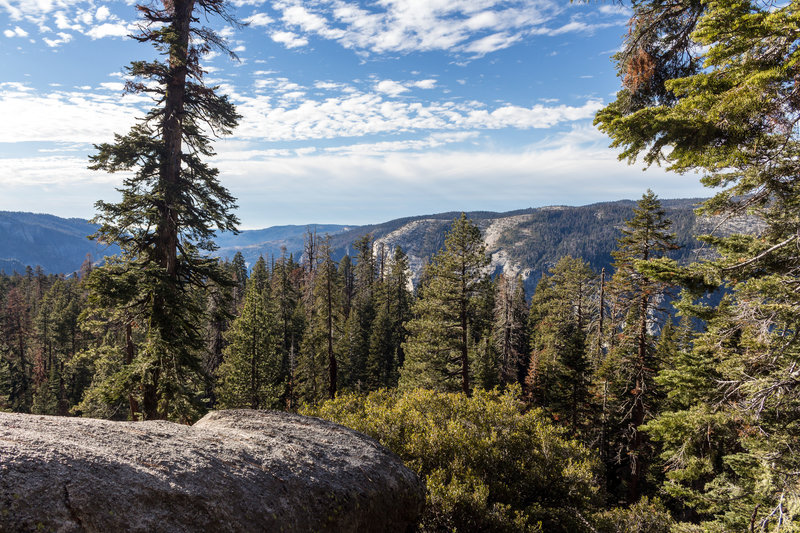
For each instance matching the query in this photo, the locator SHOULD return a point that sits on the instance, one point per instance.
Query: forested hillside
(616, 396)
(526, 241)
(593, 354)
(58, 245)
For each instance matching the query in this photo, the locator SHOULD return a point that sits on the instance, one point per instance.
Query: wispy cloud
(357, 113)
(395, 179)
(116, 29)
(468, 27)
(62, 39)
(82, 115)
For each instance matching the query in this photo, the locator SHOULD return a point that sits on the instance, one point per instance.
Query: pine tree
(170, 208)
(290, 317)
(251, 374)
(58, 340)
(318, 365)
(220, 310)
(559, 367)
(633, 364)
(356, 339)
(16, 328)
(510, 329)
(393, 304)
(260, 276)
(238, 272)
(437, 350)
(710, 87)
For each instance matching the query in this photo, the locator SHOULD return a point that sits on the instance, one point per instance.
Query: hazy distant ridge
(526, 241)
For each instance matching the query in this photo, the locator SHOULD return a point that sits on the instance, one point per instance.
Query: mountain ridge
(523, 241)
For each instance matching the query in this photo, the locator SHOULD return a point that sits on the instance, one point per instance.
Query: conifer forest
(661, 394)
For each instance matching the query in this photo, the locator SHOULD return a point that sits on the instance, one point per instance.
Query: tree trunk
(129, 353)
(332, 370)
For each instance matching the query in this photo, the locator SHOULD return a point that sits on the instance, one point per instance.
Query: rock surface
(231, 471)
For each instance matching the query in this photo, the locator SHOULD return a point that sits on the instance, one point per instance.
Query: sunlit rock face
(231, 471)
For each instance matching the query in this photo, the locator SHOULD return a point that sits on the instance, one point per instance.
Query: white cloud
(297, 15)
(102, 13)
(276, 85)
(259, 20)
(492, 43)
(42, 170)
(430, 142)
(575, 26)
(391, 87)
(288, 39)
(62, 39)
(63, 23)
(65, 116)
(328, 85)
(113, 86)
(116, 29)
(87, 17)
(353, 113)
(425, 84)
(16, 32)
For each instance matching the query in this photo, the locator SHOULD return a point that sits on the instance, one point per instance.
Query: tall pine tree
(632, 362)
(251, 374)
(170, 208)
(437, 350)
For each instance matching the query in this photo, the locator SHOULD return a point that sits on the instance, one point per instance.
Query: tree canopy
(170, 208)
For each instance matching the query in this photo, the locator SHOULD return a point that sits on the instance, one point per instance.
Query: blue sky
(354, 112)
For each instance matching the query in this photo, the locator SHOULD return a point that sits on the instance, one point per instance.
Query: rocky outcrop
(231, 471)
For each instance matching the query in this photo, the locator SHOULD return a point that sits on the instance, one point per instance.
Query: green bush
(488, 463)
(645, 516)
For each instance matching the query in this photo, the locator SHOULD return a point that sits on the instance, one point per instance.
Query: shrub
(488, 463)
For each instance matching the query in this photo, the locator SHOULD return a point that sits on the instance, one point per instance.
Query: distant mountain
(270, 242)
(527, 241)
(58, 245)
(530, 241)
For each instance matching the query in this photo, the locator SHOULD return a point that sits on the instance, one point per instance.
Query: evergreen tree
(220, 310)
(170, 207)
(251, 374)
(510, 329)
(632, 363)
(356, 339)
(58, 341)
(238, 273)
(348, 284)
(437, 350)
(731, 115)
(318, 366)
(290, 317)
(559, 368)
(16, 330)
(393, 302)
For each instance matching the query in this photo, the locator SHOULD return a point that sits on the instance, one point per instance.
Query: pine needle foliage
(172, 203)
(437, 350)
(732, 115)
